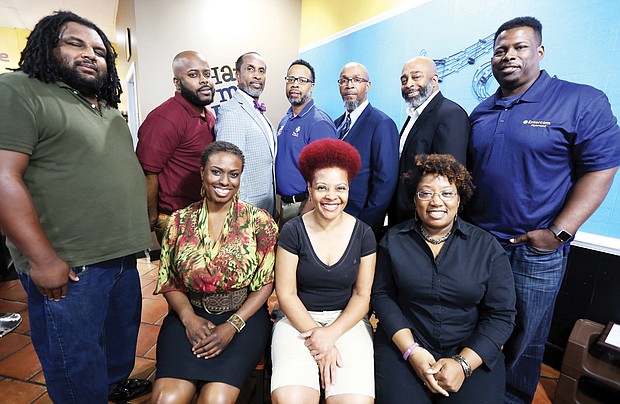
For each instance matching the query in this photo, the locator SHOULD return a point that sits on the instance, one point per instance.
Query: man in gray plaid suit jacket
(241, 121)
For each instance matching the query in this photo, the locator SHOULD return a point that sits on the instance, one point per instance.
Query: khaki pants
(289, 211)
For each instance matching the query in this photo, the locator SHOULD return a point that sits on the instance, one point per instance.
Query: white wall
(220, 30)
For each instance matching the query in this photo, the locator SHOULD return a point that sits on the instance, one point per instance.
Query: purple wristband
(407, 353)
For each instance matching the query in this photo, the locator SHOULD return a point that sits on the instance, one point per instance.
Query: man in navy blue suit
(375, 136)
(434, 125)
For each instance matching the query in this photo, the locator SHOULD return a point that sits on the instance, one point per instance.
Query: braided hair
(38, 61)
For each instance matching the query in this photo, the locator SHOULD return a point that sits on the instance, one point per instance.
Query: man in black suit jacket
(375, 136)
(435, 125)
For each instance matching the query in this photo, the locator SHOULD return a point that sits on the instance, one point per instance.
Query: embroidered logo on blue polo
(280, 130)
(296, 131)
(536, 124)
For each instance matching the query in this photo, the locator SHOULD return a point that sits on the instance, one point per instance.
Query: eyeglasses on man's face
(428, 195)
(356, 80)
(300, 80)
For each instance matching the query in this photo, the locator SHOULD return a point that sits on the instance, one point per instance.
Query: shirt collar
(62, 84)
(420, 109)
(414, 225)
(245, 95)
(357, 111)
(186, 104)
(533, 94)
(304, 110)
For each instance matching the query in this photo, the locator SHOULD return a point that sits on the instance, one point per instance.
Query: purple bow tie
(260, 106)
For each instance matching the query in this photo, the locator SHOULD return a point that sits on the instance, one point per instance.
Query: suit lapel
(256, 116)
(404, 126)
(338, 120)
(420, 121)
(359, 123)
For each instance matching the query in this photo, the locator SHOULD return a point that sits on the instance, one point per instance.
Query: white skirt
(293, 365)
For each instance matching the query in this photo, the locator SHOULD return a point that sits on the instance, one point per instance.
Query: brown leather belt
(217, 303)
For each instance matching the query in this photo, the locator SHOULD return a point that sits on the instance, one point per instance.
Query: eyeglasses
(428, 195)
(356, 80)
(300, 80)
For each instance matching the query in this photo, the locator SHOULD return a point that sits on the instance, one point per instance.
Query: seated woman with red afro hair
(324, 271)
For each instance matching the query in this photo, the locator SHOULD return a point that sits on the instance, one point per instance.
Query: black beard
(298, 101)
(87, 86)
(192, 96)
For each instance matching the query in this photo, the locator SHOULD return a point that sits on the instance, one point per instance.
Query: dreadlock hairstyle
(37, 58)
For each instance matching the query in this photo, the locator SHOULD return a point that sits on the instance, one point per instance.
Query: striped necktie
(344, 127)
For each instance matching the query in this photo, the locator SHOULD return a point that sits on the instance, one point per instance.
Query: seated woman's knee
(295, 394)
(218, 393)
(171, 395)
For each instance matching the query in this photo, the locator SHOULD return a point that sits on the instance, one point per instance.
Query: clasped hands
(321, 341)
(443, 376)
(207, 339)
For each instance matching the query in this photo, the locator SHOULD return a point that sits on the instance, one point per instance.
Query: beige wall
(125, 18)
(221, 30)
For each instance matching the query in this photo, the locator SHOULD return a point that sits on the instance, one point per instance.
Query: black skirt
(233, 366)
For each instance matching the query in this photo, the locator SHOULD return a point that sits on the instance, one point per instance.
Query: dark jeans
(538, 277)
(87, 341)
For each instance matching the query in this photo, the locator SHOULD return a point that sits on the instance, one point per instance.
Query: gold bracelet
(236, 321)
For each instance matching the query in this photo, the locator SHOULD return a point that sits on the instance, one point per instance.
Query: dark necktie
(260, 106)
(344, 127)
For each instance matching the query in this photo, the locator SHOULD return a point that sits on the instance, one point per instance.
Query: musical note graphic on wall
(456, 62)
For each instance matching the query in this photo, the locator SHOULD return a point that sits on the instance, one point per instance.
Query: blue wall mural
(582, 44)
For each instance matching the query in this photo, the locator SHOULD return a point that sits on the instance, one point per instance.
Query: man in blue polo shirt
(544, 154)
(303, 123)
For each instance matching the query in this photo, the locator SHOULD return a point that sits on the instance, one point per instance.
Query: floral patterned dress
(244, 255)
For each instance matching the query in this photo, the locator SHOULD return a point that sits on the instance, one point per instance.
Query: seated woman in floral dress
(216, 274)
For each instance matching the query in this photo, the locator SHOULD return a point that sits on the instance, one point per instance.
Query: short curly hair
(328, 153)
(221, 146)
(444, 165)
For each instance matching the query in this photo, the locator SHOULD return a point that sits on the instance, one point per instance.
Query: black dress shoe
(129, 389)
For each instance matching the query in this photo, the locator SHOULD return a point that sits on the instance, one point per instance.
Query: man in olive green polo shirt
(73, 208)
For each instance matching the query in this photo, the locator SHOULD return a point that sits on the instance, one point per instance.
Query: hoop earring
(203, 193)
